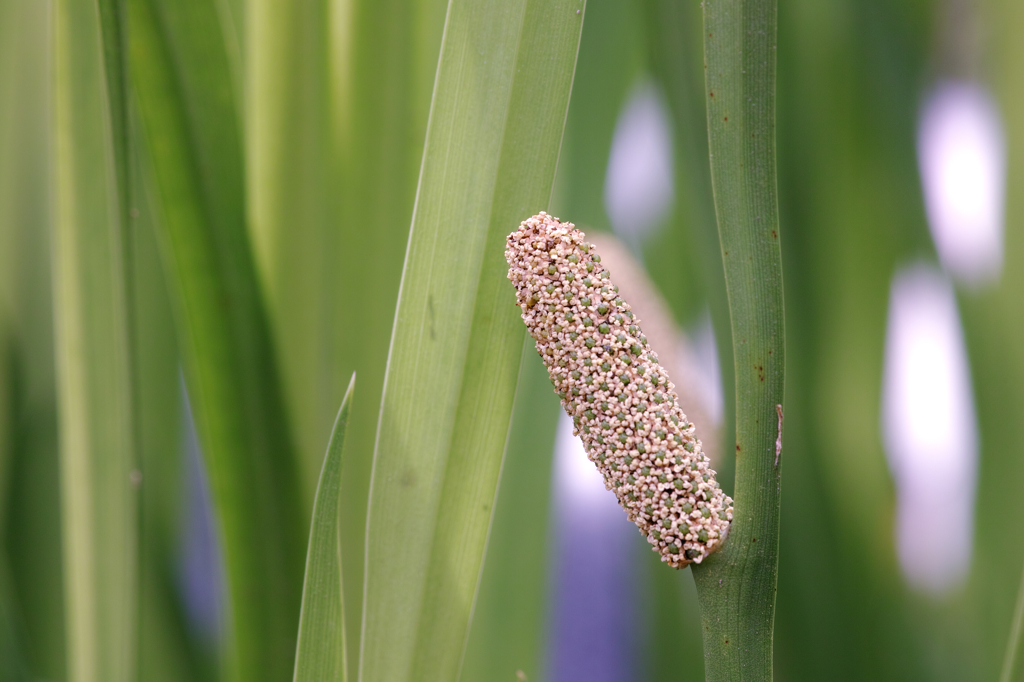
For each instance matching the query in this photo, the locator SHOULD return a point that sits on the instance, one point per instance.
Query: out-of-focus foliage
(32, 546)
(95, 361)
(181, 74)
(508, 621)
(270, 154)
(995, 336)
(337, 109)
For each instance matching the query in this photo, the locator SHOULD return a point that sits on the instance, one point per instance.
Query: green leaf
(181, 73)
(169, 650)
(32, 532)
(320, 655)
(384, 77)
(852, 213)
(508, 621)
(995, 339)
(736, 585)
(496, 122)
(292, 209)
(672, 650)
(94, 367)
(10, 654)
(337, 106)
(12, 668)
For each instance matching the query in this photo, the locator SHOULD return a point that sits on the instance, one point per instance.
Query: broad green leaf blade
(337, 104)
(94, 368)
(383, 76)
(508, 628)
(497, 117)
(321, 655)
(183, 86)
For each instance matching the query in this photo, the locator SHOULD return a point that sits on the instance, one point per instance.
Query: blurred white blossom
(962, 158)
(930, 430)
(638, 187)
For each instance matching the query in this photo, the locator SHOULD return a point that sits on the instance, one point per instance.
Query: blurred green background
(332, 99)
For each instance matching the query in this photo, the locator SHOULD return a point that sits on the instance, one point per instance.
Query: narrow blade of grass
(182, 79)
(736, 585)
(321, 655)
(496, 122)
(94, 368)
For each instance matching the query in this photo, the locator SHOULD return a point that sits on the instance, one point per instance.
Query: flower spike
(620, 399)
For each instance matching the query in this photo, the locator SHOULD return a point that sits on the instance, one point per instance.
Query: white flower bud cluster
(620, 399)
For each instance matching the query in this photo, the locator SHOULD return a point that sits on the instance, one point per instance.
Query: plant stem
(736, 586)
